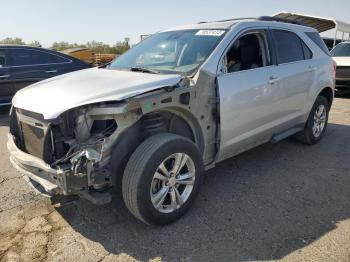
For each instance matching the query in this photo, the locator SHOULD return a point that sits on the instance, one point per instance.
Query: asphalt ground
(284, 201)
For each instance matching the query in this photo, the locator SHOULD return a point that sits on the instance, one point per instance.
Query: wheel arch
(181, 119)
(328, 93)
(129, 140)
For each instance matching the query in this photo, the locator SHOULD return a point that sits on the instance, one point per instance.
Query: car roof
(4, 46)
(227, 24)
(23, 46)
(230, 23)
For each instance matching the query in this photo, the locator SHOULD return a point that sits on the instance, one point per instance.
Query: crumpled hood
(56, 95)
(342, 60)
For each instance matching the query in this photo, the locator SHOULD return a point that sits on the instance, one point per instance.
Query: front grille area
(35, 141)
(343, 72)
(31, 136)
(342, 84)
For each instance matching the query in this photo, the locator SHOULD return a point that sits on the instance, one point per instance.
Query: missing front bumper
(34, 168)
(55, 181)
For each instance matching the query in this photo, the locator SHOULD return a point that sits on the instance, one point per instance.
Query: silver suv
(173, 106)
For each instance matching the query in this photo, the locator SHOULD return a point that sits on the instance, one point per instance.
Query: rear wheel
(317, 122)
(162, 178)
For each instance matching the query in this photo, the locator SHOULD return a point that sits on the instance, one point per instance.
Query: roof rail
(276, 19)
(228, 20)
(260, 18)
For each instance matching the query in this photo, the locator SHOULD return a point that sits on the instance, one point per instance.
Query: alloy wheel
(172, 183)
(320, 116)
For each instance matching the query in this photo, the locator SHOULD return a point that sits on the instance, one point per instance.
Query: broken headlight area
(80, 134)
(86, 151)
(74, 143)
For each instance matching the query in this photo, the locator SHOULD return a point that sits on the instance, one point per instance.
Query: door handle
(273, 79)
(312, 69)
(53, 71)
(4, 76)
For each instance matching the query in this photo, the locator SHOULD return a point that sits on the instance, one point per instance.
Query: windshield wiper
(144, 70)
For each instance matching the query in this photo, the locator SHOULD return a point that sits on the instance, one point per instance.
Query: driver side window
(248, 52)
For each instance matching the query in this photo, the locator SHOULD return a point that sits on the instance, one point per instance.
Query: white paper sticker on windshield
(210, 32)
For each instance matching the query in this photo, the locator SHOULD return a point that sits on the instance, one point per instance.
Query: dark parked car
(21, 66)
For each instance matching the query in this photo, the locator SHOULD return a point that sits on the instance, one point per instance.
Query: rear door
(296, 71)
(33, 65)
(6, 87)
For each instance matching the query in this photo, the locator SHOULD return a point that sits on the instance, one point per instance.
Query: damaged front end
(71, 154)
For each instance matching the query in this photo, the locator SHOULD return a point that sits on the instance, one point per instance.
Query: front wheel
(316, 123)
(162, 178)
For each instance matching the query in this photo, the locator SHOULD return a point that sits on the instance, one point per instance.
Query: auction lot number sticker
(210, 32)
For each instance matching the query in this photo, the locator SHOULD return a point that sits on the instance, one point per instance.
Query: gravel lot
(279, 201)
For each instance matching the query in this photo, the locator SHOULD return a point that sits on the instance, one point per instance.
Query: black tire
(306, 136)
(139, 172)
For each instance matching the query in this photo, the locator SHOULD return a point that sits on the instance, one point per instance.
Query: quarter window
(307, 51)
(315, 37)
(22, 57)
(289, 47)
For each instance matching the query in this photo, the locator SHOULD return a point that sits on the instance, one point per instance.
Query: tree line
(98, 47)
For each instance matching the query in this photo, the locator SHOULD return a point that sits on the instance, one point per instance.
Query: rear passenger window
(2, 58)
(288, 47)
(21, 57)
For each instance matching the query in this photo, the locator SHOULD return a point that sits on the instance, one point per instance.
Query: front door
(249, 94)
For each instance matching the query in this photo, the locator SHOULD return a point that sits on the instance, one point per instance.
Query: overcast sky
(110, 20)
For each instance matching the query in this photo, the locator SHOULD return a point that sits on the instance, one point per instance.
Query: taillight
(334, 68)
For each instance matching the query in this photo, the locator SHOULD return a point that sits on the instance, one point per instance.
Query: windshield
(341, 50)
(171, 52)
